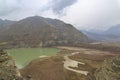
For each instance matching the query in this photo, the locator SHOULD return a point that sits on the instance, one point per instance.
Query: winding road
(72, 63)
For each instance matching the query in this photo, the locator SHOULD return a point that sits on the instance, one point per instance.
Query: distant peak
(1, 20)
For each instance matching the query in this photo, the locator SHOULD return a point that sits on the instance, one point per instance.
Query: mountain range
(38, 31)
(111, 35)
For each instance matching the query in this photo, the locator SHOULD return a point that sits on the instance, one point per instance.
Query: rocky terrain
(39, 32)
(8, 70)
(110, 70)
(100, 65)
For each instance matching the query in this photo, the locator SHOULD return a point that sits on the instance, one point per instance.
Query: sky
(83, 14)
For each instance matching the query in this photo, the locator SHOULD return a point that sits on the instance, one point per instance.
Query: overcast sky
(83, 14)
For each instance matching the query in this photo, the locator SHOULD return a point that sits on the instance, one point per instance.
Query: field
(23, 56)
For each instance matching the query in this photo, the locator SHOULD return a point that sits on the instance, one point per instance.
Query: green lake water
(23, 56)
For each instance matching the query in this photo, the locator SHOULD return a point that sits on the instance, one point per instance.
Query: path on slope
(72, 63)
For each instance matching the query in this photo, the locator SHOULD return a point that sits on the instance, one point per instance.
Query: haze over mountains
(38, 31)
(4, 23)
(112, 34)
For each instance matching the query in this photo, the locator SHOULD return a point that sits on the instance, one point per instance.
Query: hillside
(5, 23)
(8, 69)
(50, 68)
(38, 32)
(110, 70)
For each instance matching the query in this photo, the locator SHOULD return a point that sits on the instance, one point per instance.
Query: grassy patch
(23, 56)
(3, 43)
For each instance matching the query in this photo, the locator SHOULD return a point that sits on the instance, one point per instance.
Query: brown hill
(38, 31)
(50, 68)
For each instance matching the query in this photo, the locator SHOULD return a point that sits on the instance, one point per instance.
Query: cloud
(83, 14)
(10, 8)
(89, 14)
(58, 5)
(7, 7)
(18, 9)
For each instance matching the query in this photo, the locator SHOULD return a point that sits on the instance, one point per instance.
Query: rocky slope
(8, 70)
(38, 31)
(110, 70)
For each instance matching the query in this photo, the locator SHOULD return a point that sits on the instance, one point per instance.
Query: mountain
(1, 22)
(114, 30)
(111, 35)
(38, 31)
(4, 23)
(94, 36)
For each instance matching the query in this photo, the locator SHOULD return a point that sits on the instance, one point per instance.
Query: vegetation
(40, 32)
(8, 70)
(110, 70)
(115, 49)
(3, 43)
(23, 56)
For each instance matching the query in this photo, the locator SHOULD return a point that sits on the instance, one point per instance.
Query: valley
(50, 49)
(59, 39)
(70, 63)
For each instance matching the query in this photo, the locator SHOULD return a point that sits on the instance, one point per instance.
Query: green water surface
(23, 56)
